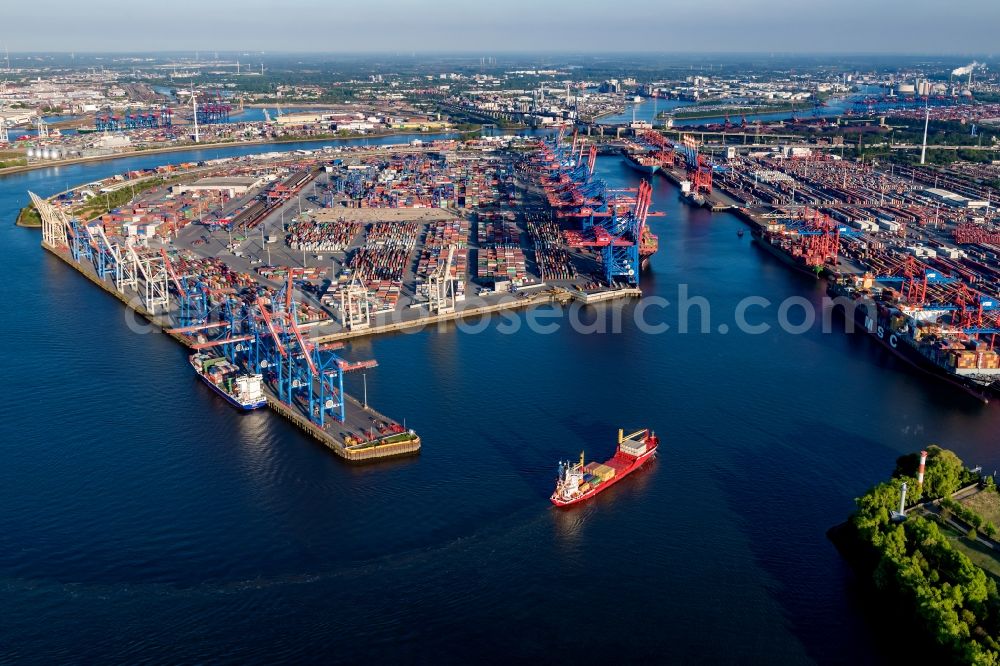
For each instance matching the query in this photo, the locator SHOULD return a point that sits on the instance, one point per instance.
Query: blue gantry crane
(80, 247)
(304, 373)
(192, 295)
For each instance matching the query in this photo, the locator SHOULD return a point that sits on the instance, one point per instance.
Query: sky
(478, 26)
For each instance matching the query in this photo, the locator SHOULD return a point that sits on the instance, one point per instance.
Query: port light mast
(194, 109)
(927, 122)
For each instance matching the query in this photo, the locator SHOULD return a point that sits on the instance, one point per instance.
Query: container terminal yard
(912, 251)
(274, 261)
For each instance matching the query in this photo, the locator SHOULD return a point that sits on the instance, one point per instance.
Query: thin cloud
(844, 26)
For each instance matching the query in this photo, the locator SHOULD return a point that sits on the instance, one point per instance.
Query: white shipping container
(633, 448)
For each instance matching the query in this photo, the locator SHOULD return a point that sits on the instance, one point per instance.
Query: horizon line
(489, 52)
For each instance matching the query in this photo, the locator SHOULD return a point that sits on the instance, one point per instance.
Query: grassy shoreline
(29, 217)
(735, 111)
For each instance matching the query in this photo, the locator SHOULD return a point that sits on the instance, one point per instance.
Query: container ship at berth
(786, 249)
(921, 337)
(578, 481)
(242, 390)
(693, 198)
(646, 163)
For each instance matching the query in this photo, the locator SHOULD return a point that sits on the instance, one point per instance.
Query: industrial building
(952, 199)
(233, 185)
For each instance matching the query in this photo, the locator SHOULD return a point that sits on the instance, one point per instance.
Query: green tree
(954, 602)
(944, 472)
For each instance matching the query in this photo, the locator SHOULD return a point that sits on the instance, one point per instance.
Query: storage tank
(56, 154)
(31, 152)
(46, 154)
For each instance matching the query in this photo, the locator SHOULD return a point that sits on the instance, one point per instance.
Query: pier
(715, 201)
(553, 295)
(359, 417)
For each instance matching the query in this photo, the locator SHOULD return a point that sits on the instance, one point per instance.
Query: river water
(143, 518)
(649, 109)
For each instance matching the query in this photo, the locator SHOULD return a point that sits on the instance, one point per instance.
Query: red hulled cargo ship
(579, 481)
